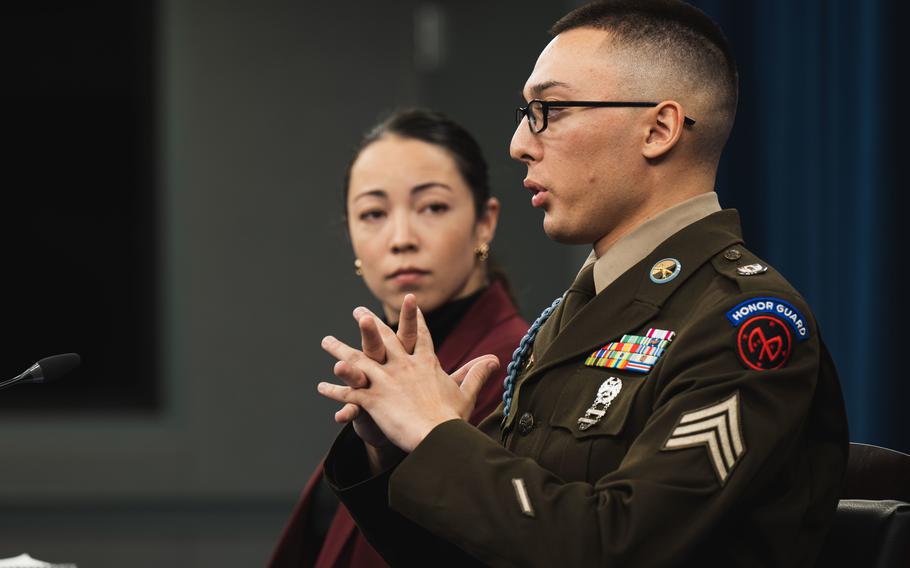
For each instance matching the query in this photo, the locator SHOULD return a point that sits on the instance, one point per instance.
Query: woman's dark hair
(435, 128)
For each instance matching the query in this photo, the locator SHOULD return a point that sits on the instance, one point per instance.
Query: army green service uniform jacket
(729, 448)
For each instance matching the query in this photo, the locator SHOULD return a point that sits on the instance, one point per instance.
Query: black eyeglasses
(538, 111)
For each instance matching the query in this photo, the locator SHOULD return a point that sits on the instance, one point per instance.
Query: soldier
(676, 406)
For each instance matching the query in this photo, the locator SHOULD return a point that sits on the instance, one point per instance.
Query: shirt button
(525, 424)
(733, 254)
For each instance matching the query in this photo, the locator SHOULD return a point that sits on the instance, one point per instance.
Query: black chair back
(872, 524)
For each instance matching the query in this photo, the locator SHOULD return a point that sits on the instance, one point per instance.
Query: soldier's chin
(563, 234)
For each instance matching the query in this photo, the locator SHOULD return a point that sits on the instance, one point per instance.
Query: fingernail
(360, 311)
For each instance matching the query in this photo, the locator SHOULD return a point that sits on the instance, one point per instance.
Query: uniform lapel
(629, 302)
(609, 314)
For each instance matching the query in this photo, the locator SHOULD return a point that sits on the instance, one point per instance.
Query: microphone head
(56, 366)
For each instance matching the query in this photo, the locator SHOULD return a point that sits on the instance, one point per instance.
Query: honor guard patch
(717, 429)
(665, 270)
(636, 353)
(771, 306)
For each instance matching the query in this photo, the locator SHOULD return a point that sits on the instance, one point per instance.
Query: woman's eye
(436, 208)
(372, 215)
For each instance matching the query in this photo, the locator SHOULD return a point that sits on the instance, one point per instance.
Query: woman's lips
(408, 276)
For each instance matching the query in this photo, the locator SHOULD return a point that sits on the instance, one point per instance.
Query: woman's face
(412, 222)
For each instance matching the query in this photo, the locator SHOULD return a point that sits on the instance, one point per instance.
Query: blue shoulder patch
(775, 306)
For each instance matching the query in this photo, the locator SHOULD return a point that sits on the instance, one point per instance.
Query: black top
(443, 319)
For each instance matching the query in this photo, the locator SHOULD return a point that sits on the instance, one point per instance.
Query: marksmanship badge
(607, 392)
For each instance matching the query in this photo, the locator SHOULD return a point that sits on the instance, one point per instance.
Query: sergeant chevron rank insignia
(715, 427)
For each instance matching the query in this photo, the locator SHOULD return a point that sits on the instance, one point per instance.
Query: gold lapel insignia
(665, 270)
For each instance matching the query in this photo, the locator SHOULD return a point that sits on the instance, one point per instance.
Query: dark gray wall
(260, 105)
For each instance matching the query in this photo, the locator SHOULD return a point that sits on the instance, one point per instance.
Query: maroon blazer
(492, 325)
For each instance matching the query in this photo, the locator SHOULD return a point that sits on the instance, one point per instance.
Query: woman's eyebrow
(373, 193)
(429, 185)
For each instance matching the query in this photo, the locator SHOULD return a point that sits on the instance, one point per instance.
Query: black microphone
(46, 370)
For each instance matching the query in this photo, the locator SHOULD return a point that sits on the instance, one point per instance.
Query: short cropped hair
(674, 32)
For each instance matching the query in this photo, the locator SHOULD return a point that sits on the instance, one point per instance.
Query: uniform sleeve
(721, 432)
(397, 539)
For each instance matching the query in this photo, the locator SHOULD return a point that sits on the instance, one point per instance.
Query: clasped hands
(394, 389)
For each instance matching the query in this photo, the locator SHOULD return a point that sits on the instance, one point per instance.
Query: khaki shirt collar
(632, 248)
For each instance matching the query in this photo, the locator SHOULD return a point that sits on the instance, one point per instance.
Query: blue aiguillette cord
(518, 357)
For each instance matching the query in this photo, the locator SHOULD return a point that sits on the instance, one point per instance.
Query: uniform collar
(632, 248)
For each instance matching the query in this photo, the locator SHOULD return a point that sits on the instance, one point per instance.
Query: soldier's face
(412, 223)
(582, 169)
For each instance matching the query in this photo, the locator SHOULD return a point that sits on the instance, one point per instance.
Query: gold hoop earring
(358, 267)
(482, 252)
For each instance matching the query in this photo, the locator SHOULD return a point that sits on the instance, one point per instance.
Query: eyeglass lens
(535, 113)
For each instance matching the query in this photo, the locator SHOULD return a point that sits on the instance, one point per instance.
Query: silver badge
(752, 269)
(605, 395)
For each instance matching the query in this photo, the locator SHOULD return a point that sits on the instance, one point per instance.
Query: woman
(421, 220)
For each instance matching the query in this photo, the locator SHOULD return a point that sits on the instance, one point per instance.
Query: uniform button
(733, 254)
(525, 424)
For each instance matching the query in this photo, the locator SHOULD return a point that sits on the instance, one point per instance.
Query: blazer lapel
(492, 308)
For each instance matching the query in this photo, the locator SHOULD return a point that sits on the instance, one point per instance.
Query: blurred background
(172, 211)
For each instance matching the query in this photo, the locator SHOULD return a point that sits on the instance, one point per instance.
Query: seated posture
(676, 407)
(421, 220)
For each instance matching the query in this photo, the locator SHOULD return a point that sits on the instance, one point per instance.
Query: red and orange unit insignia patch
(636, 353)
(768, 328)
(764, 343)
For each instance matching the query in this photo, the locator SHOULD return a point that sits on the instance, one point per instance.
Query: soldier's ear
(666, 122)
